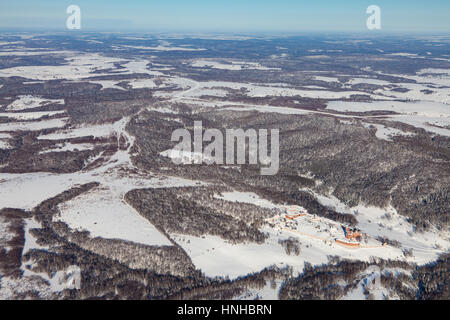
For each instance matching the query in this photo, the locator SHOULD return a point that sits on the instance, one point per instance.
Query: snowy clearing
(105, 214)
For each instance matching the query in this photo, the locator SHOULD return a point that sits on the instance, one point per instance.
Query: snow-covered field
(232, 65)
(423, 108)
(30, 102)
(33, 125)
(108, 84)
(217, 257)
(164, 48)
(184, 157)
(377, 82)
(29, 115)
(62, 147)
(266, 91)
(326, 79)
(105, 214)
(27, 52)
(80, 66)
(97, 131)
(103, 211)
(143, 83)
(268, 109)
(431, 116)
(247, 197)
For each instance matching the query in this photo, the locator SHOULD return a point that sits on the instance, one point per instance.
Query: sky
(237, 16)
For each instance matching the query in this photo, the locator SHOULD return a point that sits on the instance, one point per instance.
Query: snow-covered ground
(33, 125)
(104, 213)
(29, 115)
(12, 287)
(247, 197)
(36, 186)
(386, 222)
(420, 108)
(5, 236)
(218, 257)
(4, 144)
(30, 102)
(30, 241)
(266, 91)
(269, 109)
(80, 66)
(164, 48)
(326, 79)
(5, 135)
(377, 82)
(216, 65)
(143, 83)
(370, 281)
(431, 116)
(386, 133)
(97, 131)
(430, 85)
(266, 293)
(30, 281)
(14, 52)
(437, 125)
(184, 157)
(232, 65)
(108, 84)
(62, 147)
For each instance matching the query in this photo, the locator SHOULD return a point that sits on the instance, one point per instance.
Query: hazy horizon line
(228, 32)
